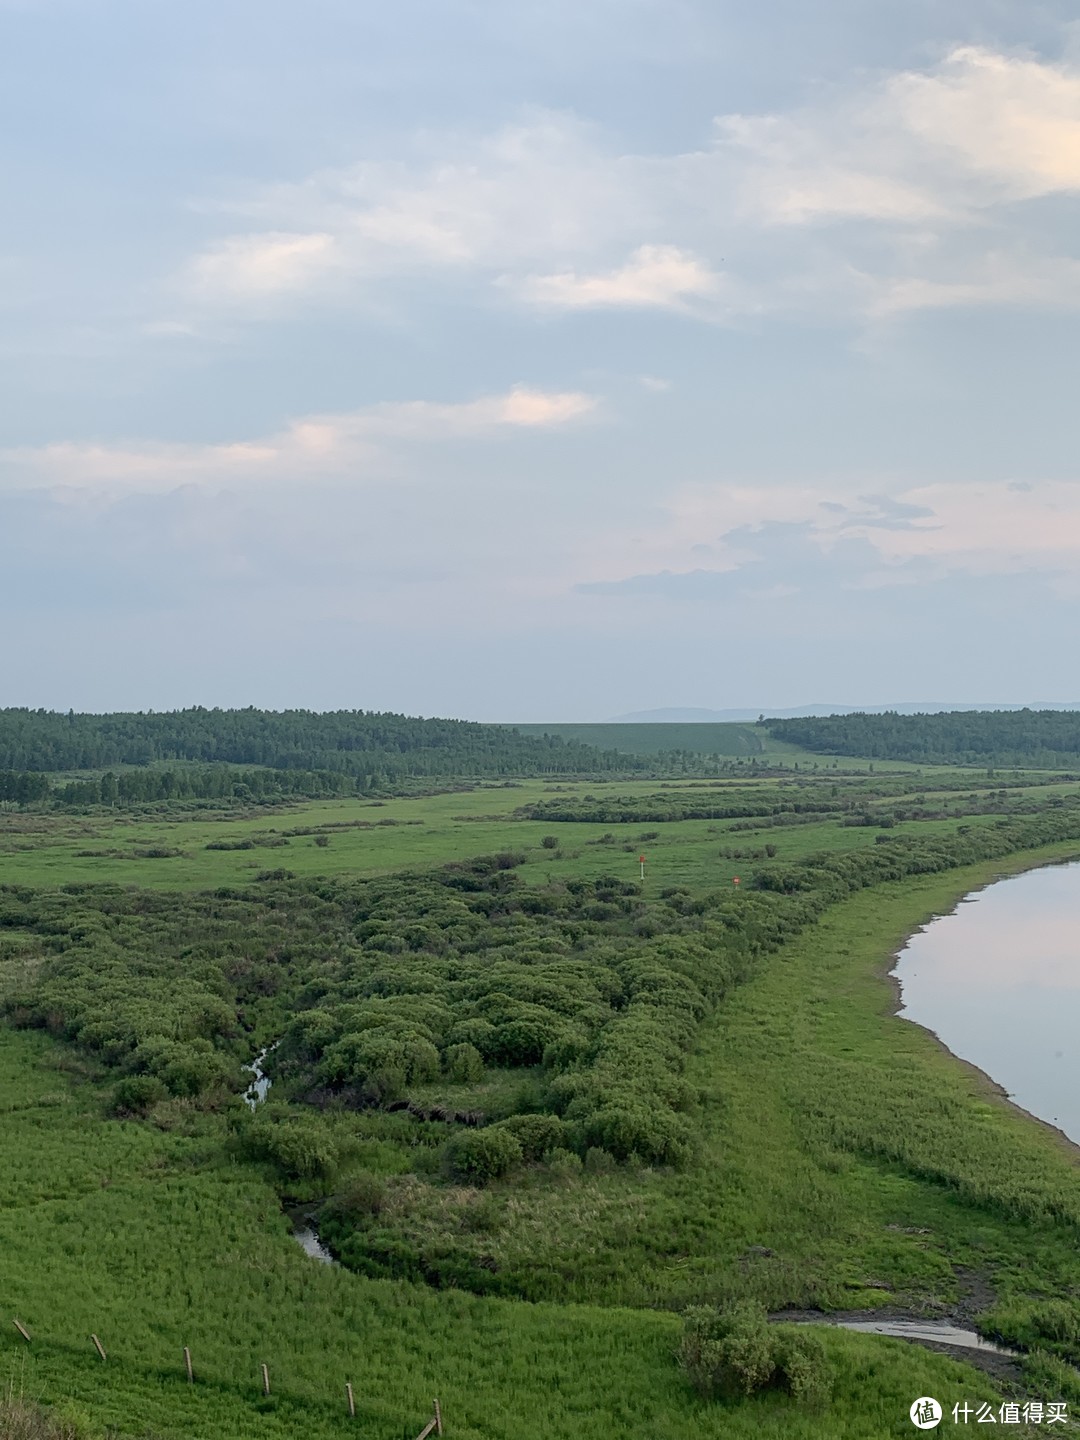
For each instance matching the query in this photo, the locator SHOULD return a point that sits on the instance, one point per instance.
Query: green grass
(152, 1241)
(60, 849)
(833, 1133)
(875, 1167)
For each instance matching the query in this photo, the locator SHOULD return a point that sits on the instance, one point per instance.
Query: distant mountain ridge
(688, 715)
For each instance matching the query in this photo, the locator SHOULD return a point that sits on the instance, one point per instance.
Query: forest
(143, 785)
(376, 749)
(1031, 738)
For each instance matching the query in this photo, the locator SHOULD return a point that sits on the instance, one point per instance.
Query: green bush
(482, 1155)
(137, 1094)
(730, 1353)
(656, 1136)
(300, 1149)
(537, 1135)
(363, 1198)
(464, 1064)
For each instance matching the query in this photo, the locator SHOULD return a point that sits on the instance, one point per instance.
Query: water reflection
(998, 981)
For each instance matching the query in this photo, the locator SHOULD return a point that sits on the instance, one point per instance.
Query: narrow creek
(302, 1221)
(939, 1332)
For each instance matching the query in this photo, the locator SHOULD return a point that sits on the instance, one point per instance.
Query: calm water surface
(998, 982)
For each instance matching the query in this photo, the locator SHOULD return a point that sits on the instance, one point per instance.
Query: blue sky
(544, 361)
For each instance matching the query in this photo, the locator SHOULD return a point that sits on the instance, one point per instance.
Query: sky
(545, 361)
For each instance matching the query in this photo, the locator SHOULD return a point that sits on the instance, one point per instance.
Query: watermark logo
(925, 1413)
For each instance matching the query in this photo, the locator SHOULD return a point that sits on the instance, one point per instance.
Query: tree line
(373, 748)
(1042, 739)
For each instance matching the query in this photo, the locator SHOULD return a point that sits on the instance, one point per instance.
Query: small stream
(943, 1332)
(303, 1221)
(307, 1237)
(255, 1094)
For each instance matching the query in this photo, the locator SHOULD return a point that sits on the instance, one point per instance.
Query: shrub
(300, 1150)
(322, 841)
(550, 842)
(523, 1038)
(137, 1094)
(483, 1155)
(729, 1353)
(658, 1136)
(21, 1419)
(363, 1198)
(464, 1064)
(422, 1063)
(537, 1135)
(476, 1032)
(802, 1366)
(565, 1164)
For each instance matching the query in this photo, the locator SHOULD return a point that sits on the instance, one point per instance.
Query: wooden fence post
(22, 1330)
(349, 1397)
(438, 1419)
(99, 1347)
(266, 1380)
(187, 1366)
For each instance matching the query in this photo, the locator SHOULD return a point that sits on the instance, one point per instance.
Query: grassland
(844, 1161)
(153, 1242)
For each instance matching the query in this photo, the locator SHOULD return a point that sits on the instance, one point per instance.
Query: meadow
(840, 1158)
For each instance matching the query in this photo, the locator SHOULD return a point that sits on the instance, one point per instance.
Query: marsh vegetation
(505, 1068)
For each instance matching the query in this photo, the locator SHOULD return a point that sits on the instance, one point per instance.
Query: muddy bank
(948, 1336)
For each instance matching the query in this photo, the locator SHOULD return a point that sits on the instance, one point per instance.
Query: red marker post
(641, 862)
(735, 881)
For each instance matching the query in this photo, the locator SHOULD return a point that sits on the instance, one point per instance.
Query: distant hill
(689, 716)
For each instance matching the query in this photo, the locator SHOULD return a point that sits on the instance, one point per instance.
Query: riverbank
(876, 1168)
(957, 1005)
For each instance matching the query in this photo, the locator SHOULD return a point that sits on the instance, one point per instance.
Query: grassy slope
(147, 1242)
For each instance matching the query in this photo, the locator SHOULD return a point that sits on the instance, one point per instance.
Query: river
(998, 982)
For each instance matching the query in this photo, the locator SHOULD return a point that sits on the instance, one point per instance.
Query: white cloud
(1013, 119)
(524, 194)
(905, 192)
(655, 277)
(996, 278)
(978, 130)
(315, 444)
(251, 266)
